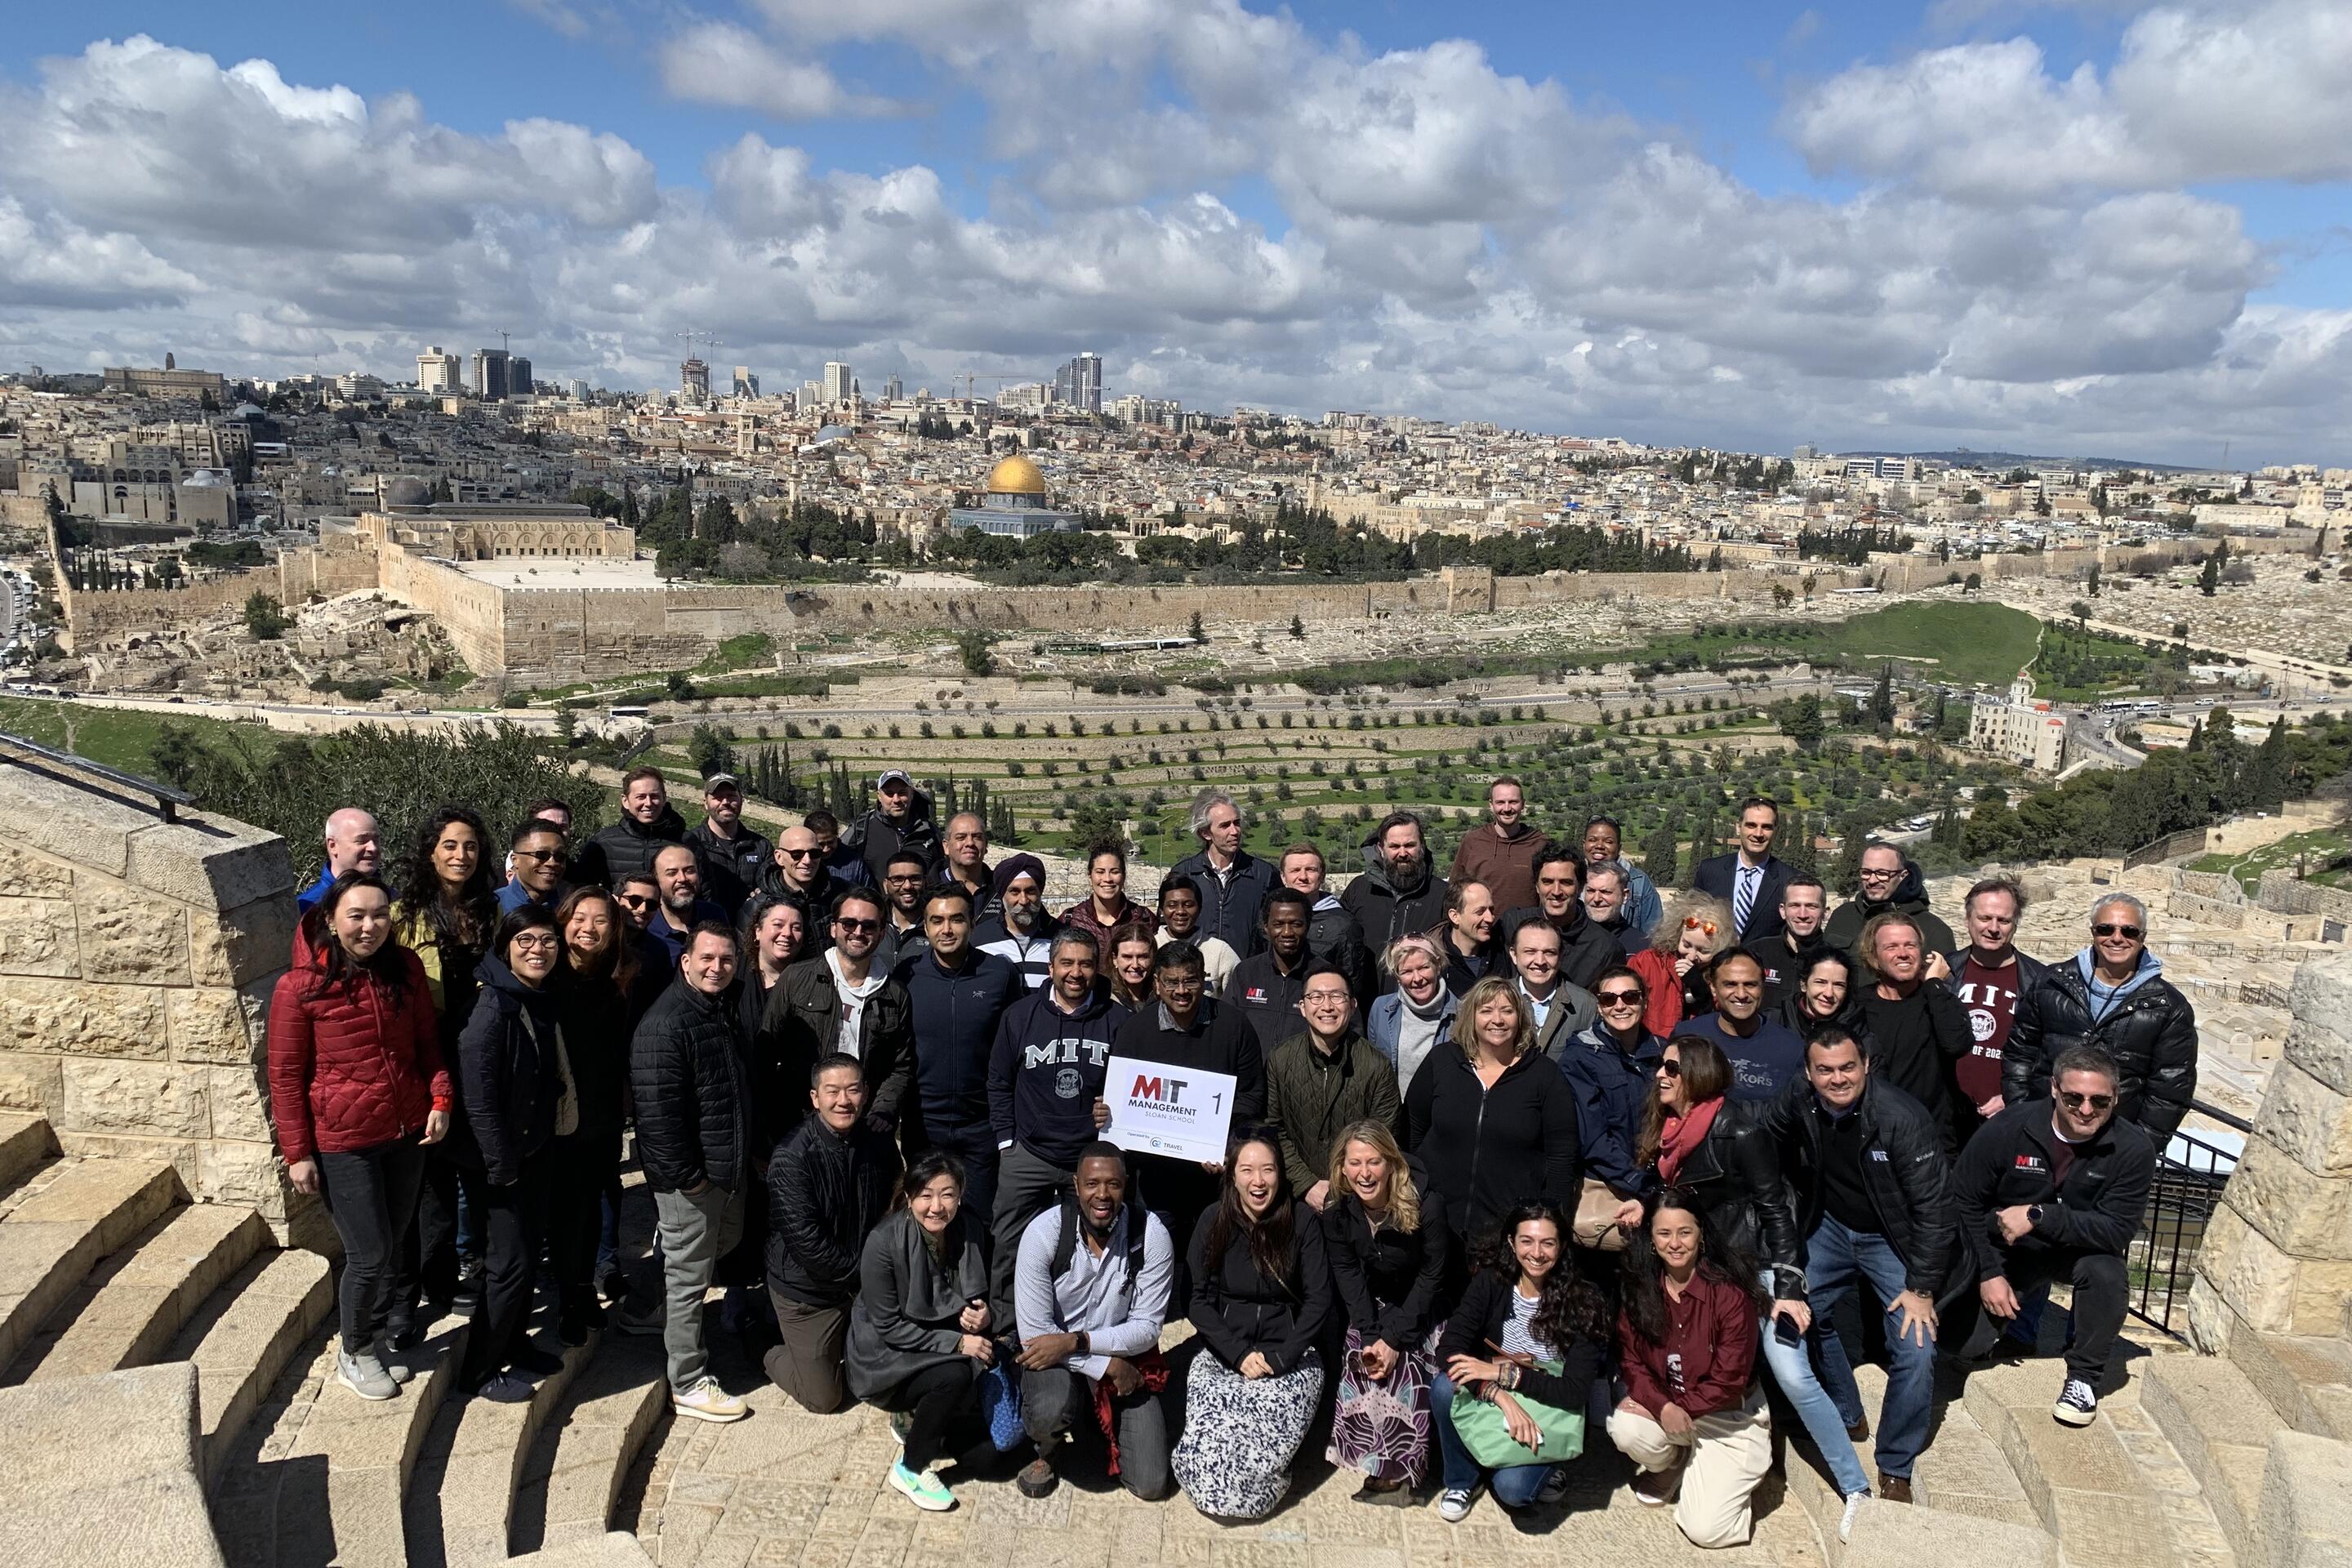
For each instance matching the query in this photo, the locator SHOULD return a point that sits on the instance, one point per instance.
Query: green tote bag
(1487, 1436)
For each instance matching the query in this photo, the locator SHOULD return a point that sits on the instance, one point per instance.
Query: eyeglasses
(542, 942)
(1692, 922)
(1879, 873)
(1178, 980)
(797, 854)
(2085, 1102)
(904, 878)
(1620, 998)
(845, 923)
(1670, 1068)
(2107, 928)
(1325, 999)
(543, 856)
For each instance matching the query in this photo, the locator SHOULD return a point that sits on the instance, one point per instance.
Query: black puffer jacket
(1331, 936)
(825, 1194)
(1904, 1168)
(626, 848)
(1383, 911)
(507, 1077)
(2151, 1031)
(1736, 1174)
(875, 837)
(693, 1092)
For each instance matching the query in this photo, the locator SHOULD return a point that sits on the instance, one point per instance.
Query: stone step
(102, 1470)
(2307, 1379)
(131, 1307)
(461, 1501)
(51, 1240)
(2221, 1428)
(615, 1548)
(572, 1481)
(242, 1342)
(25, 1143)
(317, 1476)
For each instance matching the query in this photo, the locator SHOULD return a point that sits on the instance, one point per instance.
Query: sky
(2086, 227)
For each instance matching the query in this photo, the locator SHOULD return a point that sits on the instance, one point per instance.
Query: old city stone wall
(136, 962)
(467, 609)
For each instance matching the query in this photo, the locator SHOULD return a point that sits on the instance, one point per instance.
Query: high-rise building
(746, 384)
(811, 394)
(893, 390)
(490, 375)
(838, 383)
(438, 370)
(694, 381)
(519, 382)
(1079, 382)
(579, 389)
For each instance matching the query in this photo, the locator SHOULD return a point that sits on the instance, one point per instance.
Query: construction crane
(971, 376)
(708, 340)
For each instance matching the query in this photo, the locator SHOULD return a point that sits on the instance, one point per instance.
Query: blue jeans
(1513, 1486)
(1793, 1368)
(1834, 1258)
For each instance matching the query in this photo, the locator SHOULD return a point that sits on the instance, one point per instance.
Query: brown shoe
(1894, 1488)
(1860, 1431)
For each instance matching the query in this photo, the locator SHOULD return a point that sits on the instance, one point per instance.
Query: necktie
(1744, 898)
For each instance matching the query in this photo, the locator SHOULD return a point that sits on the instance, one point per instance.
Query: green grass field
(2326, 854)
(118, 737)
(1973, 643)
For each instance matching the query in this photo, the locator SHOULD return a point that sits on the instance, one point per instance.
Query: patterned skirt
(1382, 1426)
(1240, 1433)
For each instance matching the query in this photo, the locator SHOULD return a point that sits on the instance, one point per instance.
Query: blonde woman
(1494, 1119)
(1697, 928)
(1387, 1268)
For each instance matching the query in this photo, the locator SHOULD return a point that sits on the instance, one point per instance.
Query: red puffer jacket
(347, 1069)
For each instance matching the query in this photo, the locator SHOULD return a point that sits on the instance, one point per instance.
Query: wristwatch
(1086, 1343)
(2033, 1216)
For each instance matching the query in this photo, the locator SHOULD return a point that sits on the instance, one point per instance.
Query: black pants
(427, 1263)
(514, 1218)
(371, 1195)
(935, 1397)
(2100, 1289)
(584, 1164)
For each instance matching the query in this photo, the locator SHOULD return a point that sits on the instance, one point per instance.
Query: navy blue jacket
(956, 1014)
(1611, 1086)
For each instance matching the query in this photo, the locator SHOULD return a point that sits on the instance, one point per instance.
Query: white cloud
(2201, 94)
(718, 62)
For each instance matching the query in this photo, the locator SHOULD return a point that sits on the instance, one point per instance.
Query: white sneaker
(1852, 1512)
(2078, 1403)
(1453, 1503)
(705, 1401)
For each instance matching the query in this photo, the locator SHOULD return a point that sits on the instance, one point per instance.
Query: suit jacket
(1715, 876)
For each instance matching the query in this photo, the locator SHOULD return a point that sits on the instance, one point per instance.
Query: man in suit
(1749, 878)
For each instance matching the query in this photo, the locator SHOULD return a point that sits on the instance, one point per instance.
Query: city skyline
(2064, 229)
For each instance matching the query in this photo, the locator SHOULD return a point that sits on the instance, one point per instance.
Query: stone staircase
(165, 1368)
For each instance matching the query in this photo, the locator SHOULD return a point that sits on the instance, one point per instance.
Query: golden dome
(1015, 476)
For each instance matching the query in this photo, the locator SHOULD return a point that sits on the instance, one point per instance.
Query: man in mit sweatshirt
(1265, 987)
(1988, 976)
(2054, 1189)
(958, 995)
(1045, 1096)
(1497, 852)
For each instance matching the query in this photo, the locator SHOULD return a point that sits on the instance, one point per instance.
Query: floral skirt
(1240, 1433)
(1381, 1427)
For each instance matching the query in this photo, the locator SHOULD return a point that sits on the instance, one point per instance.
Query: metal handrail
(2162, 1258)
(167, 800)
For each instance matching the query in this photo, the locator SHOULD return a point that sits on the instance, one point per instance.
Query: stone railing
(136, 962)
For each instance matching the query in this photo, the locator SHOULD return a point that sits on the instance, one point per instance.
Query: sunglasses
(1670, 1068)
(797, 854)
(1620, 998)
(543, 856)
(1692, 922)
(635, 900)
(2107, 929)
(2085, 1102)
(845, 923)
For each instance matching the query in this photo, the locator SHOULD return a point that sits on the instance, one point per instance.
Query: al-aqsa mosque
(1013, 503)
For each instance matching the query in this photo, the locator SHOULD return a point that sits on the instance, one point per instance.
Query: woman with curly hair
(1674, 968)
(1388, 1265)
(1528, 1325)
(1692, 1418)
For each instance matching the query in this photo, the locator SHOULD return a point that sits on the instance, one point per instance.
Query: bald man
(354, 842)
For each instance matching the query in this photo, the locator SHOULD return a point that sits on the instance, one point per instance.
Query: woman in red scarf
(1715, 1151)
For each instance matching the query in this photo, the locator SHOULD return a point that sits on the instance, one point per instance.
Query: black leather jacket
(1910, 1187)
(1736, 1174)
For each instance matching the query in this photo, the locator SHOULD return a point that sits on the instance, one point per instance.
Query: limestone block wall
(2277, 1254)
(136, 963)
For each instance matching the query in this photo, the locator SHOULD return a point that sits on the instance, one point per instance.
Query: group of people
(1510, 1152)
